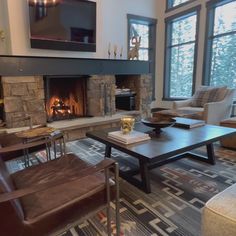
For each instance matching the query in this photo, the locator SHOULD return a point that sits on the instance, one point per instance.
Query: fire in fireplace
(65, 97)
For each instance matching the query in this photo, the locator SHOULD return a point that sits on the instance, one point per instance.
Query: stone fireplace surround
(24, 93)
(26, 96)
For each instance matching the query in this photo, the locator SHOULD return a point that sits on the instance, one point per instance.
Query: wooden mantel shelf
(28, 65)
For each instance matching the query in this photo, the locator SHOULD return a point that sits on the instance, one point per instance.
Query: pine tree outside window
(180, 53)
(172, 4)
(220, 58)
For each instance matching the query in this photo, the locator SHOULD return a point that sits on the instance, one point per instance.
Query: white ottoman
(219, 214)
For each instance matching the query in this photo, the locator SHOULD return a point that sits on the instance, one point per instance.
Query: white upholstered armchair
(212, 111)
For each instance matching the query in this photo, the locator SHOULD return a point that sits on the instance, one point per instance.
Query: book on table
(132, 137)
(188, 123)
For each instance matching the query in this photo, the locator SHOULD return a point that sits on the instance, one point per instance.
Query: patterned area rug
(179, 191)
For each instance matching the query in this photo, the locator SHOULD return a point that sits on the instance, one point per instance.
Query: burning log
(59, 108)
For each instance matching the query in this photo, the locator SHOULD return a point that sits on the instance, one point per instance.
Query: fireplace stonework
(23, 96)
(141, 85)
(101, 95)
(26, 96)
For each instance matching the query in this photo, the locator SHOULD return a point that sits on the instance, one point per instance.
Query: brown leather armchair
(51, 197)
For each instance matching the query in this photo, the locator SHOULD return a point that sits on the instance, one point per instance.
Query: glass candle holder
(127, 124)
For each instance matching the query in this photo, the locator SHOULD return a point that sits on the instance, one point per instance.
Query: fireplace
(65, 97)
(52, 98)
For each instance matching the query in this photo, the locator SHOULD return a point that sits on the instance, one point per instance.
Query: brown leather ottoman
(231, 141)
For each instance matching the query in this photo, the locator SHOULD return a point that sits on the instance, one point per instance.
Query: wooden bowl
(158, 123)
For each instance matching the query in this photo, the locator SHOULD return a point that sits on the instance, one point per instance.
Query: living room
(73, 72)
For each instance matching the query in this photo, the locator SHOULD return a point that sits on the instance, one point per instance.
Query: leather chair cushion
(47, 202)
(60, 206)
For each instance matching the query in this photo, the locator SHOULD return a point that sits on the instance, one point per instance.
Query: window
(145, 28)
(220, 58)
(176, 3)
(181, 47)
(140, 30)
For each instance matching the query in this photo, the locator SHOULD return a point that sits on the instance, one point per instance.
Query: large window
(145, 28)
(220, 58)
(176, 3)
(181, 40)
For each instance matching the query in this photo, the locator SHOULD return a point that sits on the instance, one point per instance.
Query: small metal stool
(51, 135)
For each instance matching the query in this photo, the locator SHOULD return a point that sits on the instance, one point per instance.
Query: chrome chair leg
(108, 202)
(64, 145)
(47, 147)
(26, 157)
(55, 149)
(117, 199)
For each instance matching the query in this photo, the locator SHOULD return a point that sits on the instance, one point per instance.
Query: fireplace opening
(65, 97)
(125, 93)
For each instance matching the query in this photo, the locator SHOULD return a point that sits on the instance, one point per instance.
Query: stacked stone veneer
(141, 84)
(101, 95)
(23, 96)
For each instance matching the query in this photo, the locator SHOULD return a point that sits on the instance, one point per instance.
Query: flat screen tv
(63, 24)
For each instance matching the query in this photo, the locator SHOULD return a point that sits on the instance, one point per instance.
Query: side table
(52, 136)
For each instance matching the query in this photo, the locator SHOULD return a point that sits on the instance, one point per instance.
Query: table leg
(210, 153)
(108, 151)
(145, 176)
(209, 158)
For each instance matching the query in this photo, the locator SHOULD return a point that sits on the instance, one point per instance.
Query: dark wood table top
(170, 142)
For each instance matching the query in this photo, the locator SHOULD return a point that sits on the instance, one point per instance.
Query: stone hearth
(25, 96)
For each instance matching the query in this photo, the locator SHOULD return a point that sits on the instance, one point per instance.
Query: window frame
(167, 63)
(209, 37)
(151, 22)
(170, 8)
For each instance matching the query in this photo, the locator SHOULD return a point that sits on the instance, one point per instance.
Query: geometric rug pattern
(179, 191)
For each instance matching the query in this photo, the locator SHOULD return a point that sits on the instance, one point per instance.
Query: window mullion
(181, 44)
(222, 35)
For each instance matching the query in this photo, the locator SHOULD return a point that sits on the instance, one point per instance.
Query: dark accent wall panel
(23, 66)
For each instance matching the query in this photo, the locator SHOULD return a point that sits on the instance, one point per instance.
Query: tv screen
(63, 24)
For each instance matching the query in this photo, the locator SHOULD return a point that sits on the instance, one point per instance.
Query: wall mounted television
(63, 24)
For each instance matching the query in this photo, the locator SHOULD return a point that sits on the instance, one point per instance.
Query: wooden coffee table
(170, 145)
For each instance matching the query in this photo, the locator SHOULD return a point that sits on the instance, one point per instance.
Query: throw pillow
(207, 94)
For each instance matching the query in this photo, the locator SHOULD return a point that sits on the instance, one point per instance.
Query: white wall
(111, 26)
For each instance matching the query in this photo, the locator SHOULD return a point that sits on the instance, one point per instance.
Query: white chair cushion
(219, 214)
